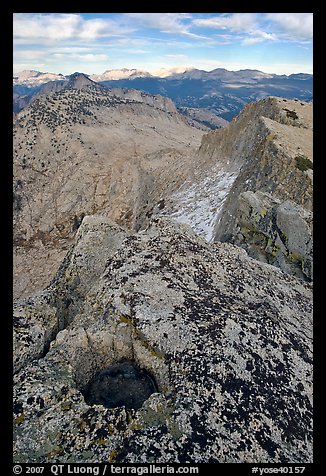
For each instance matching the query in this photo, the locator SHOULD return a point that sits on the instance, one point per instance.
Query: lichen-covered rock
(35, 324)
(276, 232)
(38, 319)
(226, 338)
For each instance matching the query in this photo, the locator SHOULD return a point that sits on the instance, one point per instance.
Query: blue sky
(278, 43)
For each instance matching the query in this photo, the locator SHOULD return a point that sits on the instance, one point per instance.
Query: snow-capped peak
(35, 78)
(124, 73)
(164, 72)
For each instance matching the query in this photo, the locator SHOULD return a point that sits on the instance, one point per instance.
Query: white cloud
(207, 64)
(298, 24)
(237, 22)
(56, 42)
(128, 42)
(54, 27)
(264, 35)
(101, 28)
(69, 49)
(90, 57)
(176, 44)
(252, 40)
(18, 67)
(95, 28)
(167, 22)
(65, 26)
(29, 55)
(63, 53)
(164, 22)
(262, 27)
(258, 36)
(138, 52)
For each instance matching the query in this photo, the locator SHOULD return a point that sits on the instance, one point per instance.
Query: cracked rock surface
(227, 339)
(279, 233)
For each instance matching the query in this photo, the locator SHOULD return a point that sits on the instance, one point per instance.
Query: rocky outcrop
(267, 149)
(202, 118)
(226, 339)
(272, 142)
(38, 320)
(153, 100)
(279, 233)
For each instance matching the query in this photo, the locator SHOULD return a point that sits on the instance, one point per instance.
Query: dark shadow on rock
(121, 384)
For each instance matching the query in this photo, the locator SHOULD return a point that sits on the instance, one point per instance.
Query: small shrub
(17, 200)
(77, 221)
(291, 114)
(303, 163)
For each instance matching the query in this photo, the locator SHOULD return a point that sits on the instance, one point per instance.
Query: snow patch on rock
(199, 204)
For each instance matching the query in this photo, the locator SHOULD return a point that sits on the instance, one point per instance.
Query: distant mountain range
(221, 92)
(251, 76)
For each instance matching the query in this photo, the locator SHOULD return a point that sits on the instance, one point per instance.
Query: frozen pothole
(121, 384)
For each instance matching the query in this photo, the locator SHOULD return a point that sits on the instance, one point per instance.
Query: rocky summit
(225, 339)
(163, 279)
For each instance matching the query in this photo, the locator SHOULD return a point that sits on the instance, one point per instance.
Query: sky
(92, 43)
